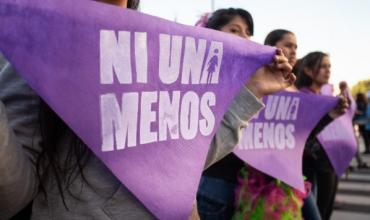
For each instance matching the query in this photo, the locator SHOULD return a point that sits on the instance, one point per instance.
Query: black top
(227, 168)
(315, 157)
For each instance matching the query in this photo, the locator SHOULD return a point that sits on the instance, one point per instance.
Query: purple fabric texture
(145, 94)
(339, 139)
(339, 142)
(274, 140)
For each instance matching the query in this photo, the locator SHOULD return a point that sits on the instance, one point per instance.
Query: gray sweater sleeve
(21, 105)
(19, 141)
(18, 183)
(228, 135)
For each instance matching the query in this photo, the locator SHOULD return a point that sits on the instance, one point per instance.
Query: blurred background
(338, 27)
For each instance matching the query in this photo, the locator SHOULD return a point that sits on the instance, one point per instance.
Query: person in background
(287, 41)
(216, 192)
(367, 123)
(360, 119)
(314, 72)
(360, 111)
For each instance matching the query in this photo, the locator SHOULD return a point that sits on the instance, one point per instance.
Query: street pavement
(353, 197)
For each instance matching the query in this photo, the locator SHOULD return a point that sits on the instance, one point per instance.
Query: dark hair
(49, 162)
(133, 4)
(275, 36)
(361, 98)
(311, 61)
(221, 17)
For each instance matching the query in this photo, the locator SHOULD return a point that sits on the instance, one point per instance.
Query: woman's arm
(243, 108)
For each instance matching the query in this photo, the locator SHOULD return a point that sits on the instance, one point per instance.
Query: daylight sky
(338, 27)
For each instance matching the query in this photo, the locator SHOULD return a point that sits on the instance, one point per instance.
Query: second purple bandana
(145, 94)
(273, 142)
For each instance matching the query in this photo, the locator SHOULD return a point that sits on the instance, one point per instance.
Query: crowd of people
(46, 170)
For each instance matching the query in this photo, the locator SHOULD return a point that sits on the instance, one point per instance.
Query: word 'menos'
(274, 127)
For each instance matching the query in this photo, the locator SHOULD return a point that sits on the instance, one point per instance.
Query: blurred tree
(362, 86)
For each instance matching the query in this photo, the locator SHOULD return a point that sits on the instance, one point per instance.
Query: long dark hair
(221, 17)
(311, 61)
(49, 161)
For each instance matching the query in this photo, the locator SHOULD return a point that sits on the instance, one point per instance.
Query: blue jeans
(310, 211)
(215, 199)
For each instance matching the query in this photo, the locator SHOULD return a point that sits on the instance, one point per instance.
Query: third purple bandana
(338, 139)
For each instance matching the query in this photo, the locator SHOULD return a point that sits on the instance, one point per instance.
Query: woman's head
(232, 20)
(284, 40)
(343, 86)
(314, 69)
